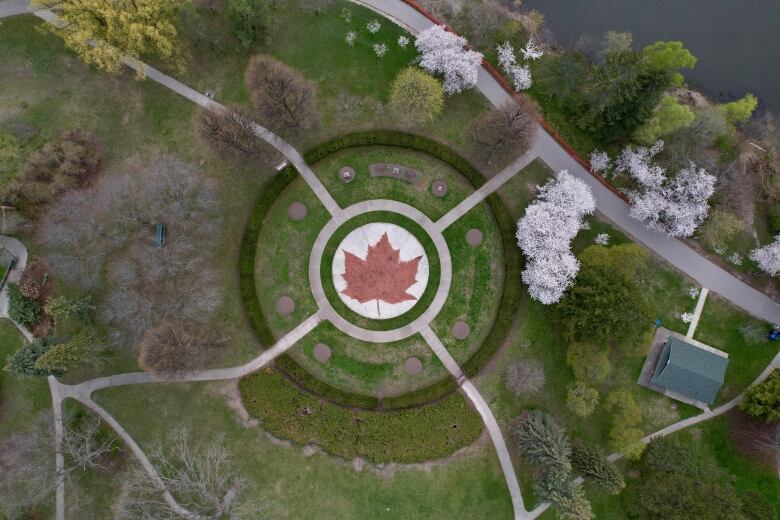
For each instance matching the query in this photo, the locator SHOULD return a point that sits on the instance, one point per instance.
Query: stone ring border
(445, 267)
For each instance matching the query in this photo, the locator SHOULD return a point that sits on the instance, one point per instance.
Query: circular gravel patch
(461, 330)
(439, 188)
(297, 211)
(347, 174)
(285, 305)
(474, 237)
(321, 352)
(412, 366)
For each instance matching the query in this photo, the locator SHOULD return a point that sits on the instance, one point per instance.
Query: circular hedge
(506, 310)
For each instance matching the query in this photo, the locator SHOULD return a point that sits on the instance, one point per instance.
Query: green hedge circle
(506, 311)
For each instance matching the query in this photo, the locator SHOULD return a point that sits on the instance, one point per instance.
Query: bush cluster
(22, 309)
(406, 436)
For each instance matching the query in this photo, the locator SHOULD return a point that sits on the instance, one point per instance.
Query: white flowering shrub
(600, 162)
(403, 41)
(693, 292)
(735, 258)
(350, 38)
(531, 51)
(520, 75)
(602, 239)
(545, 232)
(373, 26)
(674, 206)
(380, 49)
(444, 53)
(768, 257)
(346, 14)
(686, 317)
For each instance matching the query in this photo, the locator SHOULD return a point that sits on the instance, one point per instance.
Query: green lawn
(294, 485)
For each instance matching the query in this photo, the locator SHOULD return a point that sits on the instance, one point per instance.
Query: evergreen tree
(542, 441)
(592, 464)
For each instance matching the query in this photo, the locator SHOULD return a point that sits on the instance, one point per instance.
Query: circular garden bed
(372, 382)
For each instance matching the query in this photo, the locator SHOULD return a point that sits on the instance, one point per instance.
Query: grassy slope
(296, 486)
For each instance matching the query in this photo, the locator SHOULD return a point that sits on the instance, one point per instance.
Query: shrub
(58, 166)
(542, 441)
(720, 228)
(591, 462)
(625, 415)
(62, 307)
(525, 376)
(763, 400)
(249, 20)
(740, 110)
(416, 97)
(22, 309)
(23, 361)
(171, 350)
(33, 280)
(589, 362)
(773, 214)
(582, 399)
(77, 351)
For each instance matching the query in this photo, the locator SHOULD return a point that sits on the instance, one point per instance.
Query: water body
(737, 42)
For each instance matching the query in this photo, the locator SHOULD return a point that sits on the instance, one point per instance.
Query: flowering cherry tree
(768, 257)
(677, 206)
(445, 53)
(600, 161)
(545, 232)
(531, 51)
(519, 74)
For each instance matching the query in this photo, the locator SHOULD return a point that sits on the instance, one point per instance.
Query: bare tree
(27, 459)
(230, 135)
(172, 349)
(198, 472)
(525, 376)
(505, 132)
(282, 96)
(104, 236)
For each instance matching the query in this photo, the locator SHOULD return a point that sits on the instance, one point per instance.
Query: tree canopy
(100, 33)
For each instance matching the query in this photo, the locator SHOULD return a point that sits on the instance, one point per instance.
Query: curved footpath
(20, 252)
(674, 251)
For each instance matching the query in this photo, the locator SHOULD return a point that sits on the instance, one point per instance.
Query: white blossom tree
(531, 51)
(519, 74)
(600, 161)
(545, 232)
(768, 257)
(445, 53)
(674, 206)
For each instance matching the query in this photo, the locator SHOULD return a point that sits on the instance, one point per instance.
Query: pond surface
(737, 41)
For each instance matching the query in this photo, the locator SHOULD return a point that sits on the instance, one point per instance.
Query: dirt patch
(461, 330)
(285, 305)
(474, 237)
(413, 366)
(297, 211)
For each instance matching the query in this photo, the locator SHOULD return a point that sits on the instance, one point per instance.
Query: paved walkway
(487, 417)
(706, 273)
(485, 190)
(697, 312)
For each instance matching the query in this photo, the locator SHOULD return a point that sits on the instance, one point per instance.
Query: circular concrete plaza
(380, 270)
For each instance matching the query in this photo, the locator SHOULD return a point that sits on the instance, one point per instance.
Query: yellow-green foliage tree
(624, 436)
(416, 96)
(101, 32)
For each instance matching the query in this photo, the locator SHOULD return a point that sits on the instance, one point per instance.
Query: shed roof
(691, 370)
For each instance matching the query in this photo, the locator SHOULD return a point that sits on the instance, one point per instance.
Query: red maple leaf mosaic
(381, 276)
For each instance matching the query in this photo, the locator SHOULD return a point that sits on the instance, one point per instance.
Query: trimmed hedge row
(506, 311)
(407, 436)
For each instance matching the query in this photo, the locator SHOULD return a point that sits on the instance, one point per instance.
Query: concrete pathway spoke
(20, 252)
(485, 190)
(487, 417)
(697, 312)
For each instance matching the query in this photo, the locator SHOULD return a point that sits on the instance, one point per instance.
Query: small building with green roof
(691, 369)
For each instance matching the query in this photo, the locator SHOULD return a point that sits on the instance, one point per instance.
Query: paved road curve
(706, 273)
